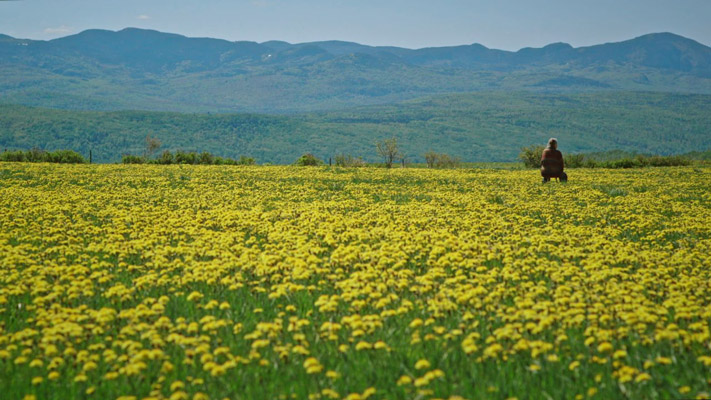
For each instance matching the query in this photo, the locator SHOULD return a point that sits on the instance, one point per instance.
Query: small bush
(131, 159)
(347, 160)
(182, 157)
(166, 158)
(638, 161)
(698, 155)
(13, 156)
(244, 160)
(224, 161)
(206, 158)
(66, 157)
(575, 161)
(37, 155)
(669, 161)
(625, 163)
(440, 160)
(531, 156)
(446, 161)
(308, 159)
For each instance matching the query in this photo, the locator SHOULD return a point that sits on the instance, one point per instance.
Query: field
(190, 282)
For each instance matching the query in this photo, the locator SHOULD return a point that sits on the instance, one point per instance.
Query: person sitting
(552, 164)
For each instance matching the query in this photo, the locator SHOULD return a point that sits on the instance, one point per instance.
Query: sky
(499, 24)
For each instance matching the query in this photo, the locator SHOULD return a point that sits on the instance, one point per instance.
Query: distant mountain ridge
(146, 69)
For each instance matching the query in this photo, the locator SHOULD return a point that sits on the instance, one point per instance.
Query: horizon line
(352, 42)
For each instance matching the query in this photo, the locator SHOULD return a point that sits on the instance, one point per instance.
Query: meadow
(250, 282)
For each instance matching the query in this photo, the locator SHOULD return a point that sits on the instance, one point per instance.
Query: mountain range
(149, 70)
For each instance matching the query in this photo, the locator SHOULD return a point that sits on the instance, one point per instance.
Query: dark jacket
(551, 163)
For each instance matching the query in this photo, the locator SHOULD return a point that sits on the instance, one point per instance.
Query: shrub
(589, 163)
(575, 161)
(166, 158)
(531, 156)
(347, 160)
(698, 155)
(66, 157)
(131, 159)
(624, 160)
(669, 161)
(14, 156)
(440, 160)
(224, 161)
(625, 163)
(182, 157)
(206, 158)
(446, 161)
(37, 155)
(308, 159)
(244, 160)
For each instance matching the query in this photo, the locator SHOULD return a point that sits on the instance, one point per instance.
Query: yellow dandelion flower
(363, 345)
(195, 296)
(604, 347)
(422, 364)
(663, 360)
(619, 354)
(404, 380)
(330, 393)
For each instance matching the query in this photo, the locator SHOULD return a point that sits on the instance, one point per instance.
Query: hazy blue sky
(502, 24)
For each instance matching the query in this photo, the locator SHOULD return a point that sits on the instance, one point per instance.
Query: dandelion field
(197, 282)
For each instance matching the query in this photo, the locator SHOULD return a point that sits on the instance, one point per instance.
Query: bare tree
(430, 158)
(152, 144)
(389, 151)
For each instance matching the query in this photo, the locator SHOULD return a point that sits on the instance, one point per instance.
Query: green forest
(475, 127)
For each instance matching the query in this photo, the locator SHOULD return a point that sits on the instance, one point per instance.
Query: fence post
(329, 161)
(90, 159)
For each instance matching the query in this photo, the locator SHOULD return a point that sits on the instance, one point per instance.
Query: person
(552, 164)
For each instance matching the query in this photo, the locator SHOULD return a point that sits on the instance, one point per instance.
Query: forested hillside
(149, 70)
(475, 127)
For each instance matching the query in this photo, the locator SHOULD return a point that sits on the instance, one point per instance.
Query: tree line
(388, 150)
(531, 158)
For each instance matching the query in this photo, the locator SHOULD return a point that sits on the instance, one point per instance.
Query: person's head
(553, 143)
